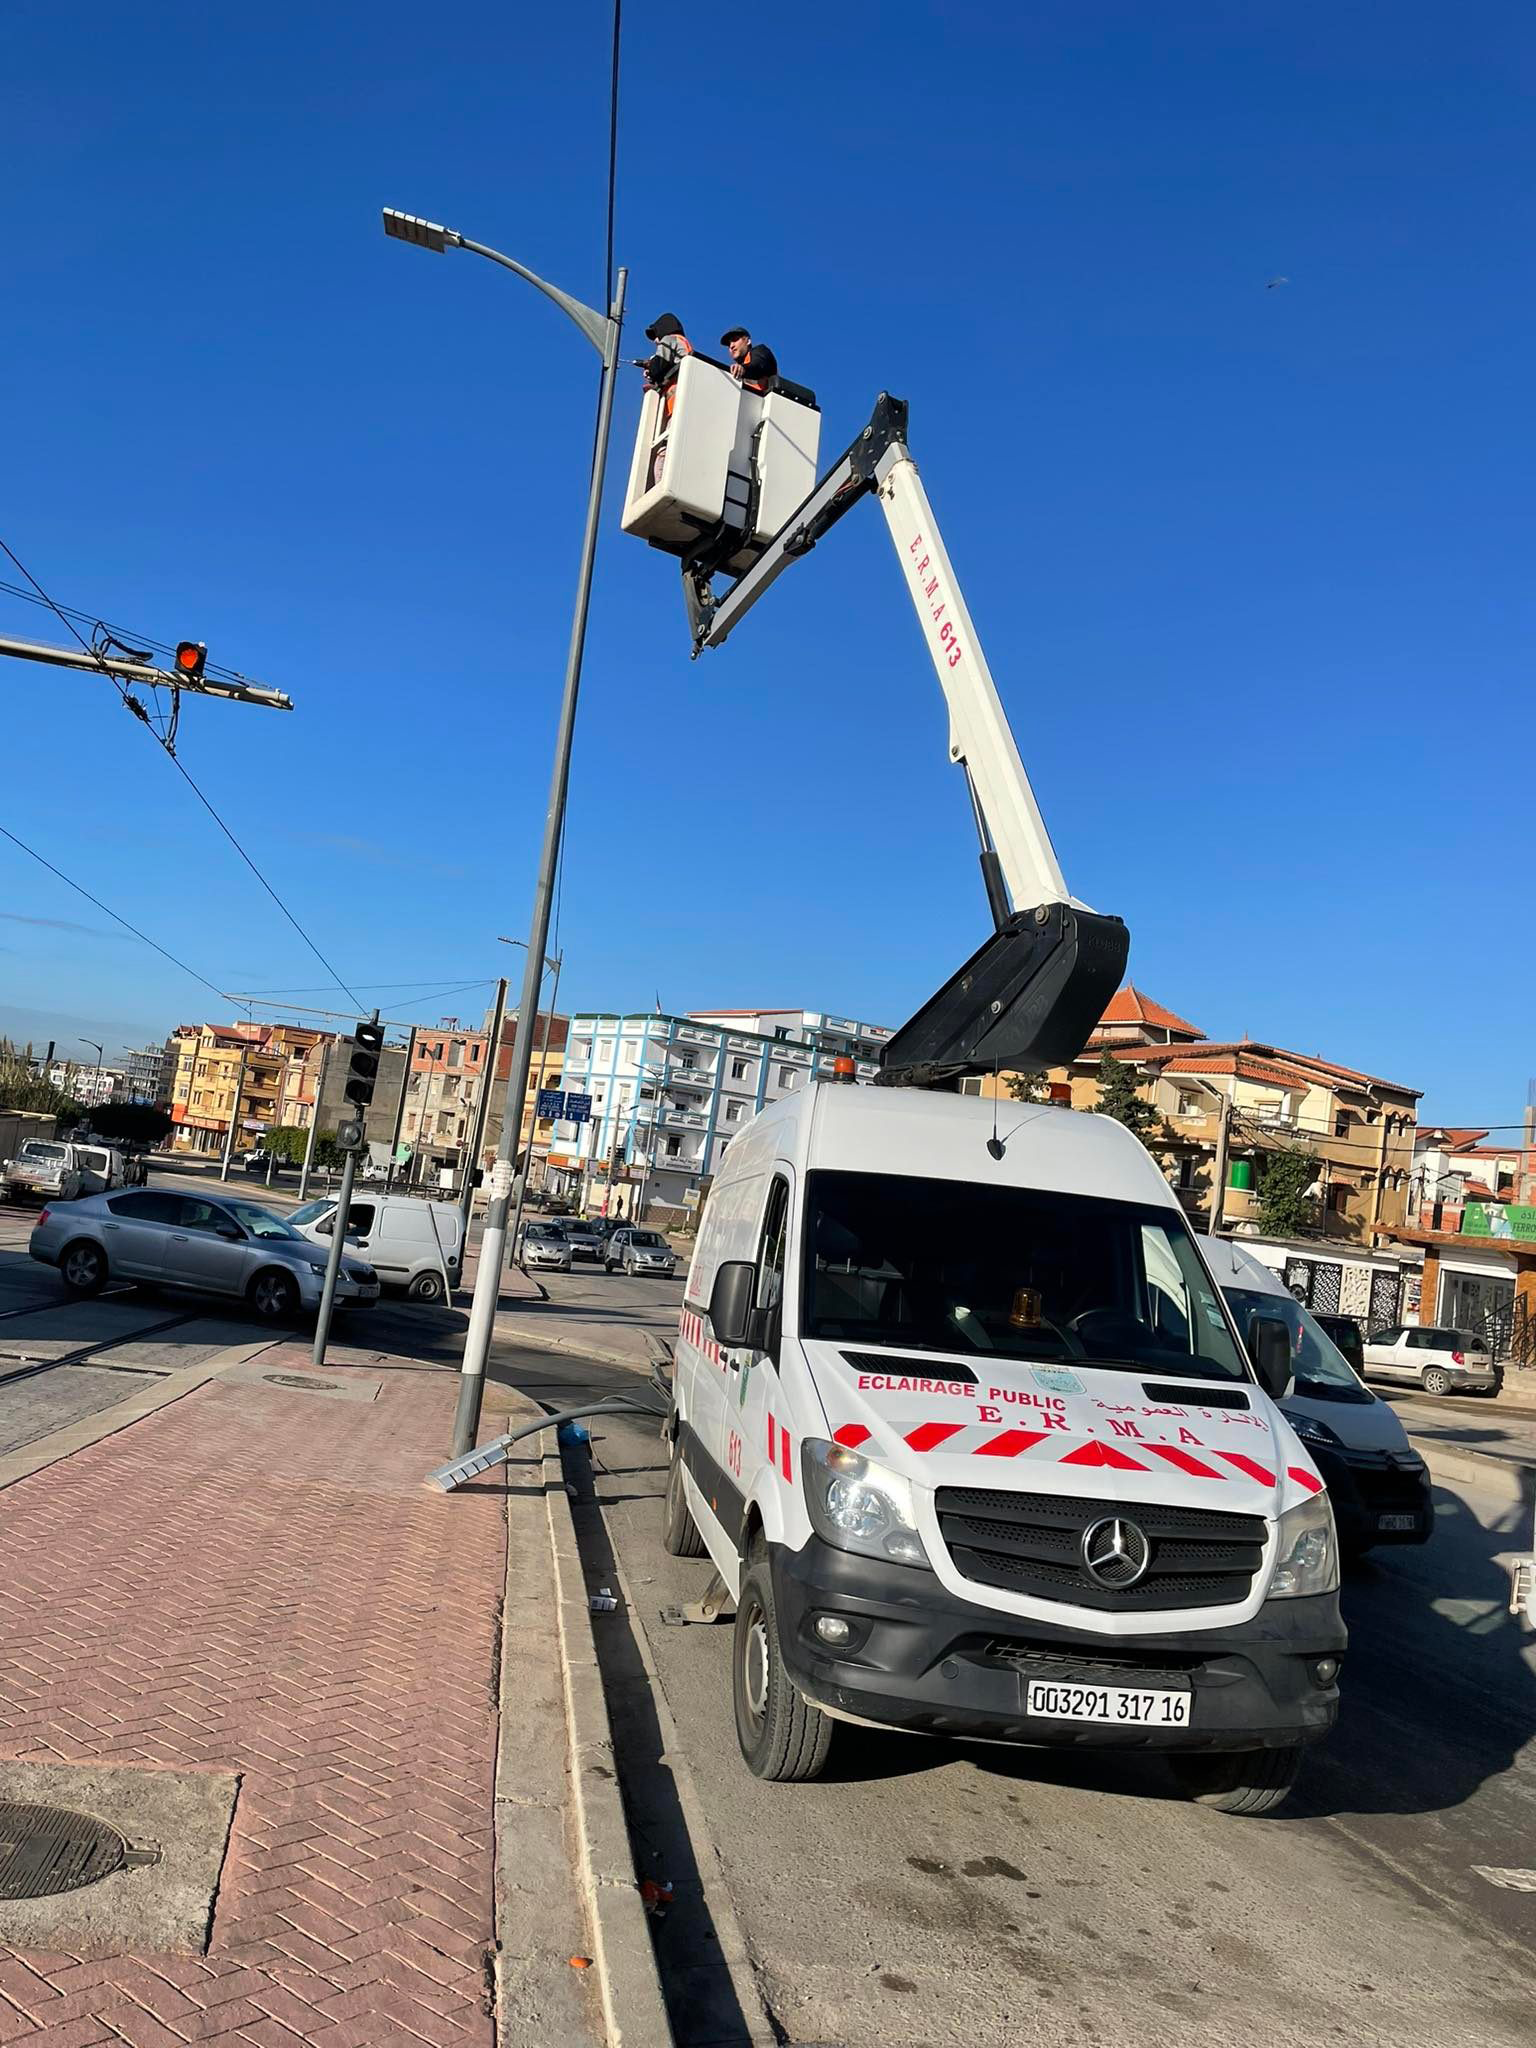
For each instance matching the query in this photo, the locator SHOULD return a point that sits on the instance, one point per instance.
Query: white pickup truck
(44, 1170)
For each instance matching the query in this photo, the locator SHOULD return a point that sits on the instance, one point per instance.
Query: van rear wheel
(680, 1532)
(1248, 1781)
(783, 1737)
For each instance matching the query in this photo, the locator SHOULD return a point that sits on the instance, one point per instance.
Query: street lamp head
(426, 234)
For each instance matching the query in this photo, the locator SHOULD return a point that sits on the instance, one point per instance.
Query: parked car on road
(411, 1243)
(1378, 1483)
(1440, 1360)
(229, 1246)
(639, 1251)
(585, 1240)
(1345, 1334)
(44, 1169)
(543, 1245)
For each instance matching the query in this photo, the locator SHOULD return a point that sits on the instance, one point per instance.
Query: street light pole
(482, 1110)
(533, 1125)
(602, 330)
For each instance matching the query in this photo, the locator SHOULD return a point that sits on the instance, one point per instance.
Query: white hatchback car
(1438, 1359)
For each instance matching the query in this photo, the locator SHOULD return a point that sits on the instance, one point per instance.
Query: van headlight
(860, 1506)
(1307, 1551)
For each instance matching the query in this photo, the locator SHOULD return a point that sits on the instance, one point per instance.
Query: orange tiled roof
(1129, 1006)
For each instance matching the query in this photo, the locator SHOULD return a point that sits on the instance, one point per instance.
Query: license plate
(1121, 1705)
(1386, 1523)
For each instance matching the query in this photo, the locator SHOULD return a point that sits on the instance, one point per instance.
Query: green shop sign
(1498, 1219)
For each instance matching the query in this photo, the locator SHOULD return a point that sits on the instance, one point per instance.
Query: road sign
(578, 1108)
(551, 1103)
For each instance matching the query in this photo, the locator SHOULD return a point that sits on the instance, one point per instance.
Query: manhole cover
(48, 1849)
(296, 1379)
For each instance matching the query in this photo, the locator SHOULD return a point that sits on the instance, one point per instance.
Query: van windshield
(942, 1265)
(1321, 1369)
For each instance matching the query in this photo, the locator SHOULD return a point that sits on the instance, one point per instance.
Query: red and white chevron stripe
(984, 1440)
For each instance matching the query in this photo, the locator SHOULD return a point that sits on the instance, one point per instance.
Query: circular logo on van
(1116, 1553)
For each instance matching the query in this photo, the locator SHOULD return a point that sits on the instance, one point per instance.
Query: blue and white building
(669, 1093)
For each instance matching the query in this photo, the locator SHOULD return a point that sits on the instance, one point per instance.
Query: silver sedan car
(640, 1251)
(208, 1245)
(544, 1245)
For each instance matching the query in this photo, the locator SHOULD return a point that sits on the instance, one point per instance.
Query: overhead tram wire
(179, 765)
(107, 911)
(121, 634)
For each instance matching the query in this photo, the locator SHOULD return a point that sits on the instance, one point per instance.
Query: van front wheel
(1238, 1780)
(426, 1286)
(783, 1737)
(680, 1532)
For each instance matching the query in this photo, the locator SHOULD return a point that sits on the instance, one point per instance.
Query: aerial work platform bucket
(721, 463)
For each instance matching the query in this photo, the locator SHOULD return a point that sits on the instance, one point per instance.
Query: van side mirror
(1269, 1346)
(731, 1315)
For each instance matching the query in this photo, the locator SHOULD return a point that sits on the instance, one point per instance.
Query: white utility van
(973, 1440)
(410, 1243)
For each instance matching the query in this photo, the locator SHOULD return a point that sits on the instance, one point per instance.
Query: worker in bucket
(671, 346)
(752, 362)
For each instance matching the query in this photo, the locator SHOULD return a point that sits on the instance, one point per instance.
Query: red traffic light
(190, 657)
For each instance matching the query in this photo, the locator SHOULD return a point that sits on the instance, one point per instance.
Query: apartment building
(669, 1093)
(240, 1071)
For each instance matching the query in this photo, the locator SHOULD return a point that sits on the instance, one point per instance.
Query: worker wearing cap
(753, 362)
(671, 346)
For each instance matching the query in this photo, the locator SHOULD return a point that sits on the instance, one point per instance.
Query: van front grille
(1032, 1544)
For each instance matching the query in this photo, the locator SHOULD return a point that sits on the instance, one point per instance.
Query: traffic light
(363, 1066)
(349, 1135)
(191, 656)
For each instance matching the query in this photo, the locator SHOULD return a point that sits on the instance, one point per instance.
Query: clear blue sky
(1252, 567)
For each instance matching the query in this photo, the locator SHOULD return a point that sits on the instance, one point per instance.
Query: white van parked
(972, 1439)
(409, 1243)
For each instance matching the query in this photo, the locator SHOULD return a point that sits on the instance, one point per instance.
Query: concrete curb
(94, 1429)
(1514, 1478)
(508, 1332)
(634, 2010)
(761, 2032)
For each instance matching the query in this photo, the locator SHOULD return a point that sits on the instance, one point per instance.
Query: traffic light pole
(339, 1218)
(493, 1241)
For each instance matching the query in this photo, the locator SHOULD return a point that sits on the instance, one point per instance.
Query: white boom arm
(980, 738)
(1030, 996)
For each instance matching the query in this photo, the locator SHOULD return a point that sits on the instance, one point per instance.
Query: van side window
(360, 1219)
(770, 1255)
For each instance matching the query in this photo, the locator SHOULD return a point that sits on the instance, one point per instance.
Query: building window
(1341, 1124)
(970, 1084)
(738, 1070)
(686, 1061)
(1188, 1105)
(1338, 1198)
(674, 1147)
(734, 1112)
(781, 1032)
(456, 1053)
(437, 1050)
(786, 1077)
(474, 1053)
(605, 1052)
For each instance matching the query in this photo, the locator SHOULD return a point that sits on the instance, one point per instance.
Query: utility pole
(314, 1126)
(394, 1136)
(482, 1111)
(533, 1126)
(1219, 1180)
(234, 1115)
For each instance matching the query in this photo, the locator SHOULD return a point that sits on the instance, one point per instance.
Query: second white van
(410, 1243)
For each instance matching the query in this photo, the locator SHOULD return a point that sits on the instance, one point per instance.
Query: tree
(137, 1121)
(1028, 1087)
(1285, 1208)
(1118, 1098)
(23, 1086)
(290, 1142)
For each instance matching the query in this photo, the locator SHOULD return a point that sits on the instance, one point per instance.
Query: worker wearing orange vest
(752, 362)
(671, 346)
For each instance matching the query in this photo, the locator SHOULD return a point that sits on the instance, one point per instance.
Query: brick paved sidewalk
(255, 1579)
